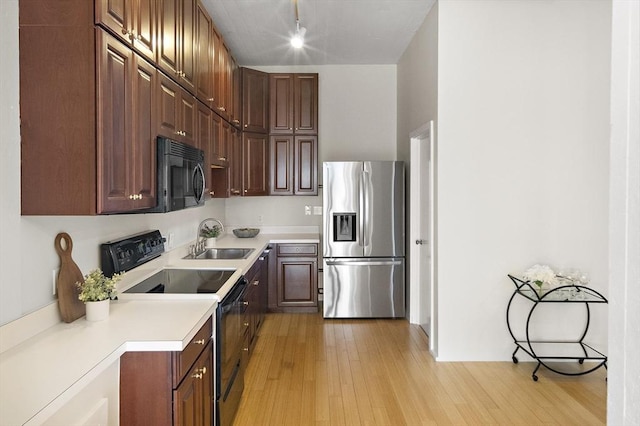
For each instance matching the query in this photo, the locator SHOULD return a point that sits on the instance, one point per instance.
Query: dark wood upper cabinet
(294, 165)
(236, 89)
(294, 104)
(306, 165)
(177, 41)
(176, 110)
(255, 102)
(204, 55)
(235, 159)
(256, 164)
(132, 21)
(281, 162)
(126, 128)
(305, 110)
(281, 103)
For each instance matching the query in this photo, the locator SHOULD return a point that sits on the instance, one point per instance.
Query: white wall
(417, 105)
(522, 138)
(418, 83)
(27, 256)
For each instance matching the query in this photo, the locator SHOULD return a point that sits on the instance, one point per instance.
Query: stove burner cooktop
(183, 281)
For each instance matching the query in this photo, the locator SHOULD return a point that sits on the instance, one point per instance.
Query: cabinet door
(115, 65)
(219, 142)
(214, 100)
(116, 15)
(204, 140)
(281, 103)
(306, 104)
(168, 36)
(187, 118)
(143, 27)
(187, 25)
(204, 61)
(281, 165)
(168, 107)
(297, 282)
(255, 88)
(134, 22)
(193, 398)
(306, 165)
(223, 80)
(144, 145)
(235, 158)
(187, 404)
(236, 88)
(256, 164)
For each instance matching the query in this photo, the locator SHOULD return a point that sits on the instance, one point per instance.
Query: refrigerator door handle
(366, 206)
(361, 220)
(382, 262)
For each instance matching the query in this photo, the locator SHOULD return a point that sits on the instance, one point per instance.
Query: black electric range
(183, 281)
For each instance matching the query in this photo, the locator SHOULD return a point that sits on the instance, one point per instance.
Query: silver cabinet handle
(420, 242)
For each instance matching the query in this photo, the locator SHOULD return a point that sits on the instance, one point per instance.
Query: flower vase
(209, 242)
(542, 289)
(97, 311)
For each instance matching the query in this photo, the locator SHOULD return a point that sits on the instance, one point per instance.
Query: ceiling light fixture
(297, 40)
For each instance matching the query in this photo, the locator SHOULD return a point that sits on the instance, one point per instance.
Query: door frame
(421, 138)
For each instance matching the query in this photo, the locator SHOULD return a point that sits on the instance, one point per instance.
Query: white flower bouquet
(541, 275)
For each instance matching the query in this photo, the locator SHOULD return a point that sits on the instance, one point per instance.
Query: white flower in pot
(96, 291)
(210, 233)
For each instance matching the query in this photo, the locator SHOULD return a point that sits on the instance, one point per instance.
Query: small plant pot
(209, 242)
(97, 311)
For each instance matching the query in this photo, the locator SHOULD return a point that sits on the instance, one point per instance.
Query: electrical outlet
(170, 241)
(307, 210)
(317, 210)
(54, 275)
(260, 218)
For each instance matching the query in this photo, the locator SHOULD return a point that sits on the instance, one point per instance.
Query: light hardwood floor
(308, 371)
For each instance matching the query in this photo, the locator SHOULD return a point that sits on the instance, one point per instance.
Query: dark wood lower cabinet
(169, 388)
(296, 279)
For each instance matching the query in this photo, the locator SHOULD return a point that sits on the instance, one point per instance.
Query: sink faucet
(198, 247)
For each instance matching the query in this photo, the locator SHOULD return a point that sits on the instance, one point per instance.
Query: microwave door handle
(196, 171)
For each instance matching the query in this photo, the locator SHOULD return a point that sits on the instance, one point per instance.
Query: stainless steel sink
(222, 253)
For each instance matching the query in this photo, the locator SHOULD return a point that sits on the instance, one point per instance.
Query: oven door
(230, 368)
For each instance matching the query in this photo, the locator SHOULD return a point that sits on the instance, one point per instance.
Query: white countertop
(39, 374)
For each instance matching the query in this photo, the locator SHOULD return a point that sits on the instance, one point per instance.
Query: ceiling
(338, 31)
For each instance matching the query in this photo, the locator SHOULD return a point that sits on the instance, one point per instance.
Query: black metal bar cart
(545, 351)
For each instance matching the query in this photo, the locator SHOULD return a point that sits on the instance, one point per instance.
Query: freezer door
(342, 221)
(382, 208)
(364, 288)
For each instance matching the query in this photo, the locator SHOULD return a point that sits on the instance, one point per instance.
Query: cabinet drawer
(185, 359)
(297, 250)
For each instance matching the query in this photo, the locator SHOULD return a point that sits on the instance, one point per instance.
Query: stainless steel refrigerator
(364, 233)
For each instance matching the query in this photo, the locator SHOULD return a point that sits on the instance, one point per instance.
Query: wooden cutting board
(71, 308)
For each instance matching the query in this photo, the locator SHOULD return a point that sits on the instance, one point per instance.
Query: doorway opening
(422, 236)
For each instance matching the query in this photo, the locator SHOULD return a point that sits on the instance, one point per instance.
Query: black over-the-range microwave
(181, 179)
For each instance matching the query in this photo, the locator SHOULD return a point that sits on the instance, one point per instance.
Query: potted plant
(210, 233)
(96, 291)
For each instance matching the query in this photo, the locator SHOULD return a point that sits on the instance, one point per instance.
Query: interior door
(422, 290)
